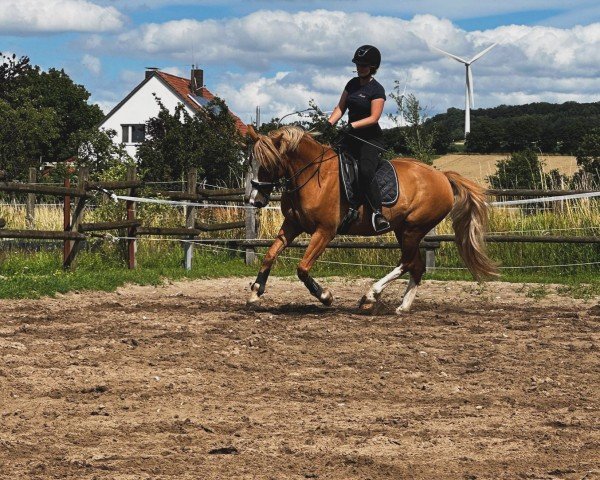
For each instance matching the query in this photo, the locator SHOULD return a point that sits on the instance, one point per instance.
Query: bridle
(287, 183)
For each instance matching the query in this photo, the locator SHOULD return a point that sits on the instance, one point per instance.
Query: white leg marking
(409, 296)
(253, 298)
(376, 289)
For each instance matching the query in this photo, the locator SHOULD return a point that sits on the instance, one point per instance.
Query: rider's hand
(329, 129)
(346, 129)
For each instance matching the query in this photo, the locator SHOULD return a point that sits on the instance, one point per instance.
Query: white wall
(140, 108)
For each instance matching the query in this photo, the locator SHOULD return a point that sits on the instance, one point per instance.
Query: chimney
(197, 80)
(150, 71)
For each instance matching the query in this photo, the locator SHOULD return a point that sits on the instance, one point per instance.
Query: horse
(312, 203)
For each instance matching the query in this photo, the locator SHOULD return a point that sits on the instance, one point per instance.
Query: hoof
(326, 297)
(367, 307)
(254, 297)
(401, 310)
(367, 302)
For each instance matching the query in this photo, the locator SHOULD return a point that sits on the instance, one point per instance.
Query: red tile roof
(183, 87)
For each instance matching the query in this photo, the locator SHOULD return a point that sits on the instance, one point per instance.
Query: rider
(364, 97)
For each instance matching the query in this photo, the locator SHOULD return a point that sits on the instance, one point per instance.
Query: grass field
(479, 167)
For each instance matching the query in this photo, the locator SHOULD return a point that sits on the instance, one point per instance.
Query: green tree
(523, 170)
(54, 89)
(588, 159)
(41, 115)
(315, 120)
(12, 71)
(419, 138)
(522, 132)
(178, 141)
(97, 150)
(486, 136)
(25, 133)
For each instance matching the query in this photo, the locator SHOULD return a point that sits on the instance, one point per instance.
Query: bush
(588, 159)
(524, 170)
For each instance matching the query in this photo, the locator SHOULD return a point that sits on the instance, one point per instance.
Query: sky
(279, 54)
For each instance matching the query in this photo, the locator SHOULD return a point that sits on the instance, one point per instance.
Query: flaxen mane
(288, 137)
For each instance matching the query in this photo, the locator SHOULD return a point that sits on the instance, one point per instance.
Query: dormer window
(133, 133)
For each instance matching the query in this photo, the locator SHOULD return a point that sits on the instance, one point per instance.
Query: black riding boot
(380, 223)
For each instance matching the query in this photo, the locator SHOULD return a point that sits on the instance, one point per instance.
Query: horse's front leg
(317, 245)
(288, 232)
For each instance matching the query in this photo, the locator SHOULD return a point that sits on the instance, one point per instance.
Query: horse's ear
(276, 138)
(252, 133)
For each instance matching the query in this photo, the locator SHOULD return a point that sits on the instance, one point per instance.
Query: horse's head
(271, 153)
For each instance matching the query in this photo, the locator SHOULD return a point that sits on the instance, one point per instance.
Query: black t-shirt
(358, 102)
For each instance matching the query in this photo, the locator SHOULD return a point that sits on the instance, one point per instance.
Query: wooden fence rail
(75, 233)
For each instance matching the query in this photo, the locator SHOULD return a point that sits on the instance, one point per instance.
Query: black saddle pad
(386, 178)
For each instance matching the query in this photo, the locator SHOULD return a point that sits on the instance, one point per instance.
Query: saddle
(385, 177)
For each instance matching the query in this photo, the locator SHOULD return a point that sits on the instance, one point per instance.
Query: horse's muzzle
(258, 199)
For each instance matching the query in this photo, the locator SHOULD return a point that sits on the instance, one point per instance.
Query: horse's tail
(469, 220)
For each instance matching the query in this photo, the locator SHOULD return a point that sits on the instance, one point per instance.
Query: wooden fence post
(190, 219)
(66, 220)
(132, 231)
(251, 225)
(77, 217)
(30, 206)
(430, 253)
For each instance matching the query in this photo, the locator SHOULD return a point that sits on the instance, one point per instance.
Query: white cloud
(285, 58)
(568, 13)
(265, 38)
(174, 71)
(93, 64)
(18, 17)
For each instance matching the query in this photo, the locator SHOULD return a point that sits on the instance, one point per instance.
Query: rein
(287, 182)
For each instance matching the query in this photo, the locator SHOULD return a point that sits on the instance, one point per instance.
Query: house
(129, 117)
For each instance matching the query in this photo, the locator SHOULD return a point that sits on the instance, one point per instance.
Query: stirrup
(348, 220)
(380, 223)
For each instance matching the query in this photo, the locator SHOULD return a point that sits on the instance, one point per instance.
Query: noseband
(266, 188)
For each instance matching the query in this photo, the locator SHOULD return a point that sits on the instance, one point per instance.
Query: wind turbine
(469, 82)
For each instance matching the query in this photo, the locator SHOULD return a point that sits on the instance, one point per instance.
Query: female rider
(364, 97)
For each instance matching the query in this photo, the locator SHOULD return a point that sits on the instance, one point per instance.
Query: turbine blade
(458, 59)
(481, 54)
(470, 86)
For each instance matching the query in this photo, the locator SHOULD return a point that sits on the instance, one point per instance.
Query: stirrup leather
(348, 220)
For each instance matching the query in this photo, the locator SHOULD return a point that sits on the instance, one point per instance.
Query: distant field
(478, 167)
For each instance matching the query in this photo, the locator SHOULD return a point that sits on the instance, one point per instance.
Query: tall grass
(572, 218)
(35, 274)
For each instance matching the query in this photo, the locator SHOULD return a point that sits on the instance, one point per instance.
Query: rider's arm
(339, 109)
(376, 111)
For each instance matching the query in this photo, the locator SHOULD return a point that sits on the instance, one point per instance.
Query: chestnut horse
(311, 203)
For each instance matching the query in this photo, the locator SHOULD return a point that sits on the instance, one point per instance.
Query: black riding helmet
(367, 55)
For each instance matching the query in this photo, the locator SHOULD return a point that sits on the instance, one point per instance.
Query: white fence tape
(546, 199)
(179, 203)
(494, 204)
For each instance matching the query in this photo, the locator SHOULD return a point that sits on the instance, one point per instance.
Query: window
(134, 133)
(138, 133)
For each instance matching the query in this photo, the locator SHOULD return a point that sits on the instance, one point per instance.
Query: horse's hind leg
(370, 299)
(412, 262)
(317, 245)
(288, 232)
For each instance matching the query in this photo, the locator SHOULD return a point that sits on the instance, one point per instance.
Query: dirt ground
(183, 381)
